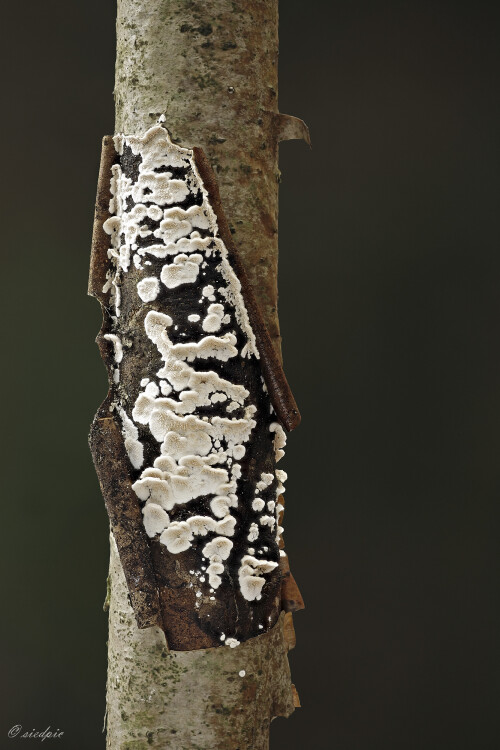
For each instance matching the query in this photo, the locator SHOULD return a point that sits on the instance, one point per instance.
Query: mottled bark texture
(209, 66)
(208, 699)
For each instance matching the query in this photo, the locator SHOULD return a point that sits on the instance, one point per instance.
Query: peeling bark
(211, 69)
(213, 468)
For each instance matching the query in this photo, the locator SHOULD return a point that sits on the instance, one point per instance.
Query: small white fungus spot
(148, 289)
(117, 346)
(183, 270)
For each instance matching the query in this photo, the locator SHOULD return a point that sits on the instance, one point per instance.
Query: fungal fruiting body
(197, 420)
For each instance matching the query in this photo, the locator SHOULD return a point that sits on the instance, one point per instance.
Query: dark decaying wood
(281, 396)
(111, 463)
(161, 584)
(106, 441)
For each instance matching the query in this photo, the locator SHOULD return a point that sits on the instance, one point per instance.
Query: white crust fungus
(279, 439)
(117, 346)
(177, 537)
(220, 547)
(133, 446)
(198, 455)
(208, 291)
(214, 319)
(148, 289)
(226, 526)
(253, 532)
(251, 584)
(267, 521)
(183, 270)
(156, 519)
(220, 506)
(201, 525)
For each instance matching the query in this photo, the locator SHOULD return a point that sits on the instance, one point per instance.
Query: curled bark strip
(295, 695)
(99, 262)
(106, 441)
(291, 598)
(289, 128)
(110, 461)
(279, 390)
(289, 631)
(100, 240)
(211, 698)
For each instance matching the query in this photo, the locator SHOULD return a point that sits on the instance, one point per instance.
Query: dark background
(389, 300)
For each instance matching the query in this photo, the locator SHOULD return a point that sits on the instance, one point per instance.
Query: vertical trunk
(210, 67)
(208, 699)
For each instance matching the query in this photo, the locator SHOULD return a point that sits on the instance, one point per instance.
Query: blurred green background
(389, 302)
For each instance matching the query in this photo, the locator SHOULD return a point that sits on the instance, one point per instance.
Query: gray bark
(211, 67)
(190, 699)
